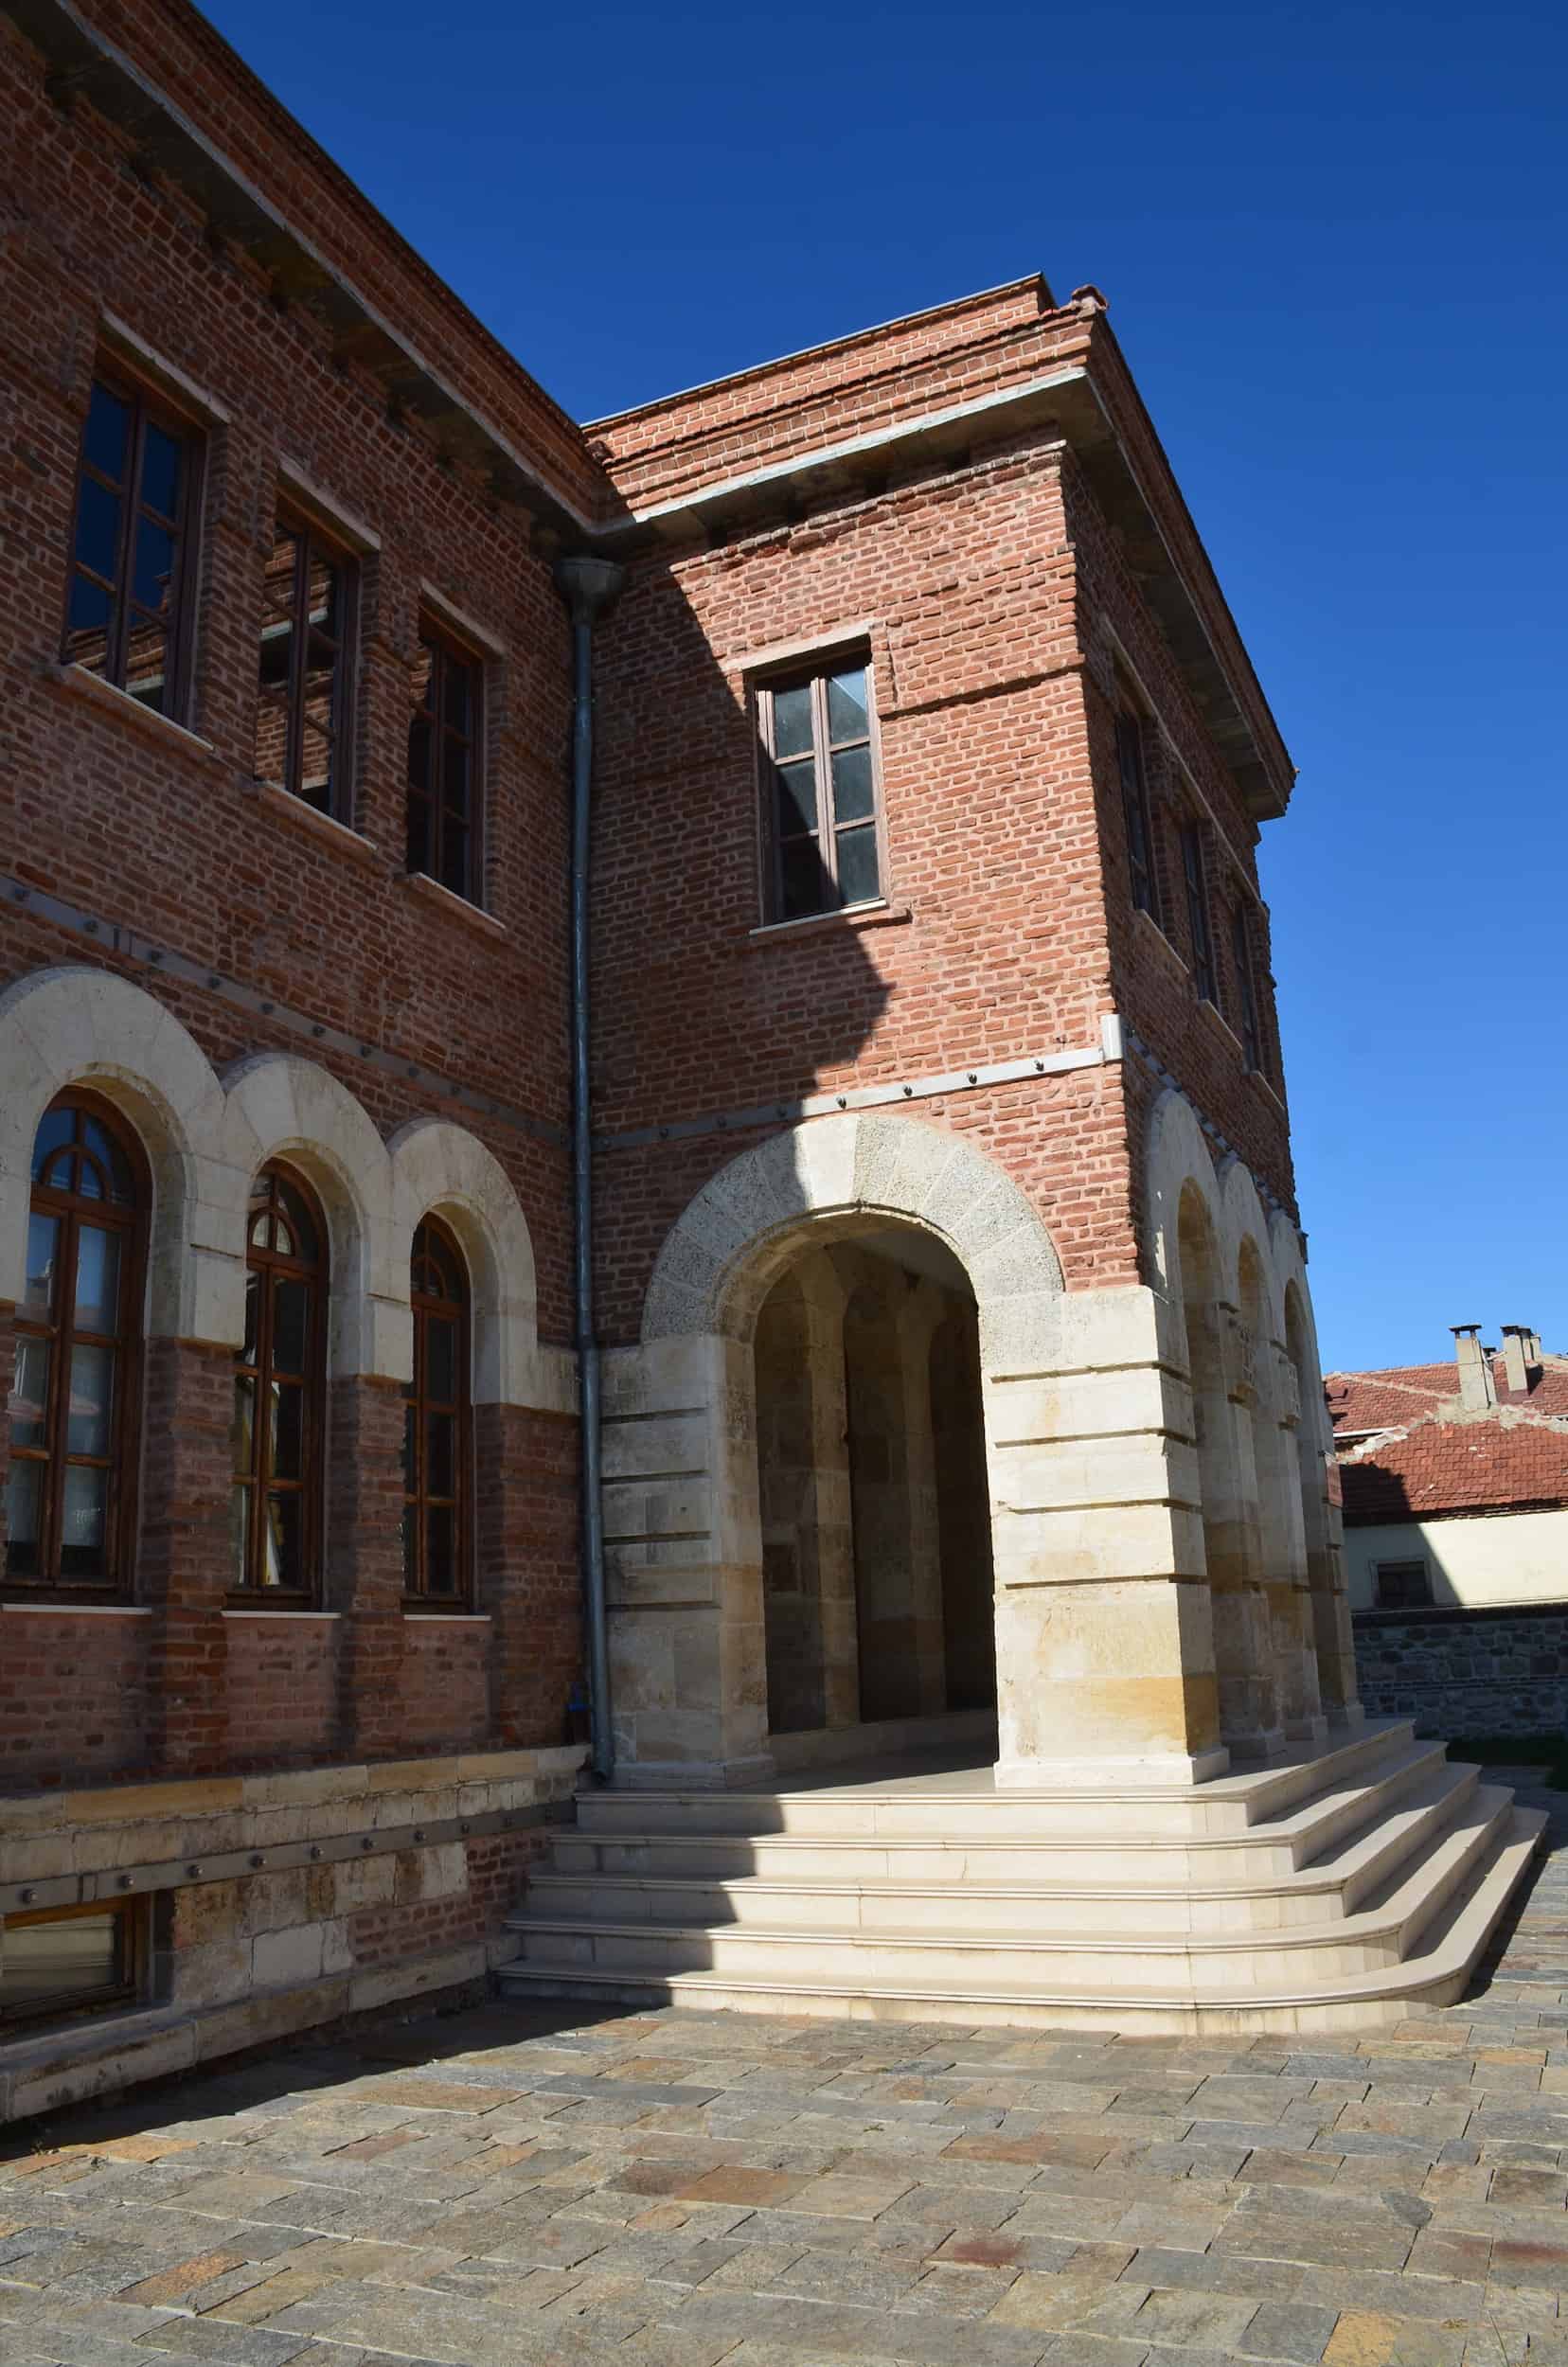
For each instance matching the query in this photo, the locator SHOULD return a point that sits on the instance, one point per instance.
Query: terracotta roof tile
(1438, 1466)
(1409, 1393)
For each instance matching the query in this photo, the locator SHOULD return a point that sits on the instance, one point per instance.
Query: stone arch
(1177, 1161)
(74, 1026)
(279, 1106)
(722, 1256)
(441, 1169)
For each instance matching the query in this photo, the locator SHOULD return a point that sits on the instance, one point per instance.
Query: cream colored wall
(1489, 1559)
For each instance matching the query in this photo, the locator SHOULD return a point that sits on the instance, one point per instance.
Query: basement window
(822, 799)
(1403, 1585)
(71, 1960)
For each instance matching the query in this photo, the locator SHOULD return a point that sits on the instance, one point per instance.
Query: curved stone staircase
(1323, 1892)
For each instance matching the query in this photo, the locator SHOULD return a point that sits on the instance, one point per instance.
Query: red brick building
(928, 775)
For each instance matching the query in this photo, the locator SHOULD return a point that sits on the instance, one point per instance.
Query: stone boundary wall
(273, 1903)
(1460, 1671)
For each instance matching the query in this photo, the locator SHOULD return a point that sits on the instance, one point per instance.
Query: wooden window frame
(250, 1589)
(1195, 881)
(72, 1210)
(135, 1958)
(449, 649)
(417, 1595)
(148, 403)
(1137, 816)
(1250, 1030)
(312, 541)
(813, 669)
(1411, 1562)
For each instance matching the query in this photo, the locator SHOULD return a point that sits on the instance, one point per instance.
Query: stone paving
(676, 2189)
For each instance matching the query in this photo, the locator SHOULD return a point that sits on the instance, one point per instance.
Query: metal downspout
(587, 586)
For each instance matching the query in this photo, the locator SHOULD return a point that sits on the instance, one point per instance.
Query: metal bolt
(367, 1843)
(256, 1859)
(908, 1091)
(973, 1076)
(126, 1882)
(465, 1828)
(419, 1832)
(26, 1896)
(193, 1869)
(315, 1849)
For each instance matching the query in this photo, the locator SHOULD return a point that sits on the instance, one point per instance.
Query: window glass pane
(424, 667)
(270, 758)
(440, 1361)
(146, 667)
(83, 1522)
(317, 751)
(153, 574)
(42, 1248)
(239, 1533)
(88, 1415)
(410, 1432)
(60, 1960)
(160, 476)
(454, 858)
(857, 865)
(325, 596)
(305, 1242)
(408, 1532)
(243, 1428)
(847, 718)
(23, 1489)
(440, 1556)
(417, 854)
(29, 1391)
(110, 1159)
(108, 423)
(87, 630)
(806, 886)
(455, 775)
(458, 712)
(852, 785)
(442, 1454)
(88, 1181)
(61, 1174)
(288, 1431)
(97, 1280)
(55, 1127)
(97, 528)
(291, 1323)
(253, 1317)
(282, 1542)
(797, 809)
(792, 720)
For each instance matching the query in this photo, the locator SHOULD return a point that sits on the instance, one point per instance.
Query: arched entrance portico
(1103, 1649)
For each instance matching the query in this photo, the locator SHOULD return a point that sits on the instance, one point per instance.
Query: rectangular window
(1403, 1585)
(1140, 831)
(66, 1960)
(823, 796)
(129, 613)
(1197, 903)
(1246, 986)
(304, 696)
(445, 745)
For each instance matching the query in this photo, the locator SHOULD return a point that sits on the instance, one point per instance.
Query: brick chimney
(1476, 1389)
(1521, 1358)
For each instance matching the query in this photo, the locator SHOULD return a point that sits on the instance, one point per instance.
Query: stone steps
(962, 1841)
(830, 1939)
(1005, 1888)
(1354, 1879)
(1434, 1974)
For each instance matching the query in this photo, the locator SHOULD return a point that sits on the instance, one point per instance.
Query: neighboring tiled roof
(1436, 1467)
(1410, 1392)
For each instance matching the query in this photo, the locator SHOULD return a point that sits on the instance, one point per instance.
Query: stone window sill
(285, 807)
(261, 1611)
(1217, 1018)
(881, 914)
(111, 700)
(431, 892)
(1157, 937)
(57, 1610)
(416, 1615)
(1277, 1098)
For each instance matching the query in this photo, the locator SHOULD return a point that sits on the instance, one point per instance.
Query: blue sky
(1334, 244)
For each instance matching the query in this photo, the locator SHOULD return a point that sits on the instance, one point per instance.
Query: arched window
(279, 1392)
(437, 1560)
(70, 1497)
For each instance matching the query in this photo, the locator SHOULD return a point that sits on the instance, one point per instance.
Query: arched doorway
(872, 1489)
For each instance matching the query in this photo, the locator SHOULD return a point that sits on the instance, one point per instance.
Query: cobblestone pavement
(672, 2190)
